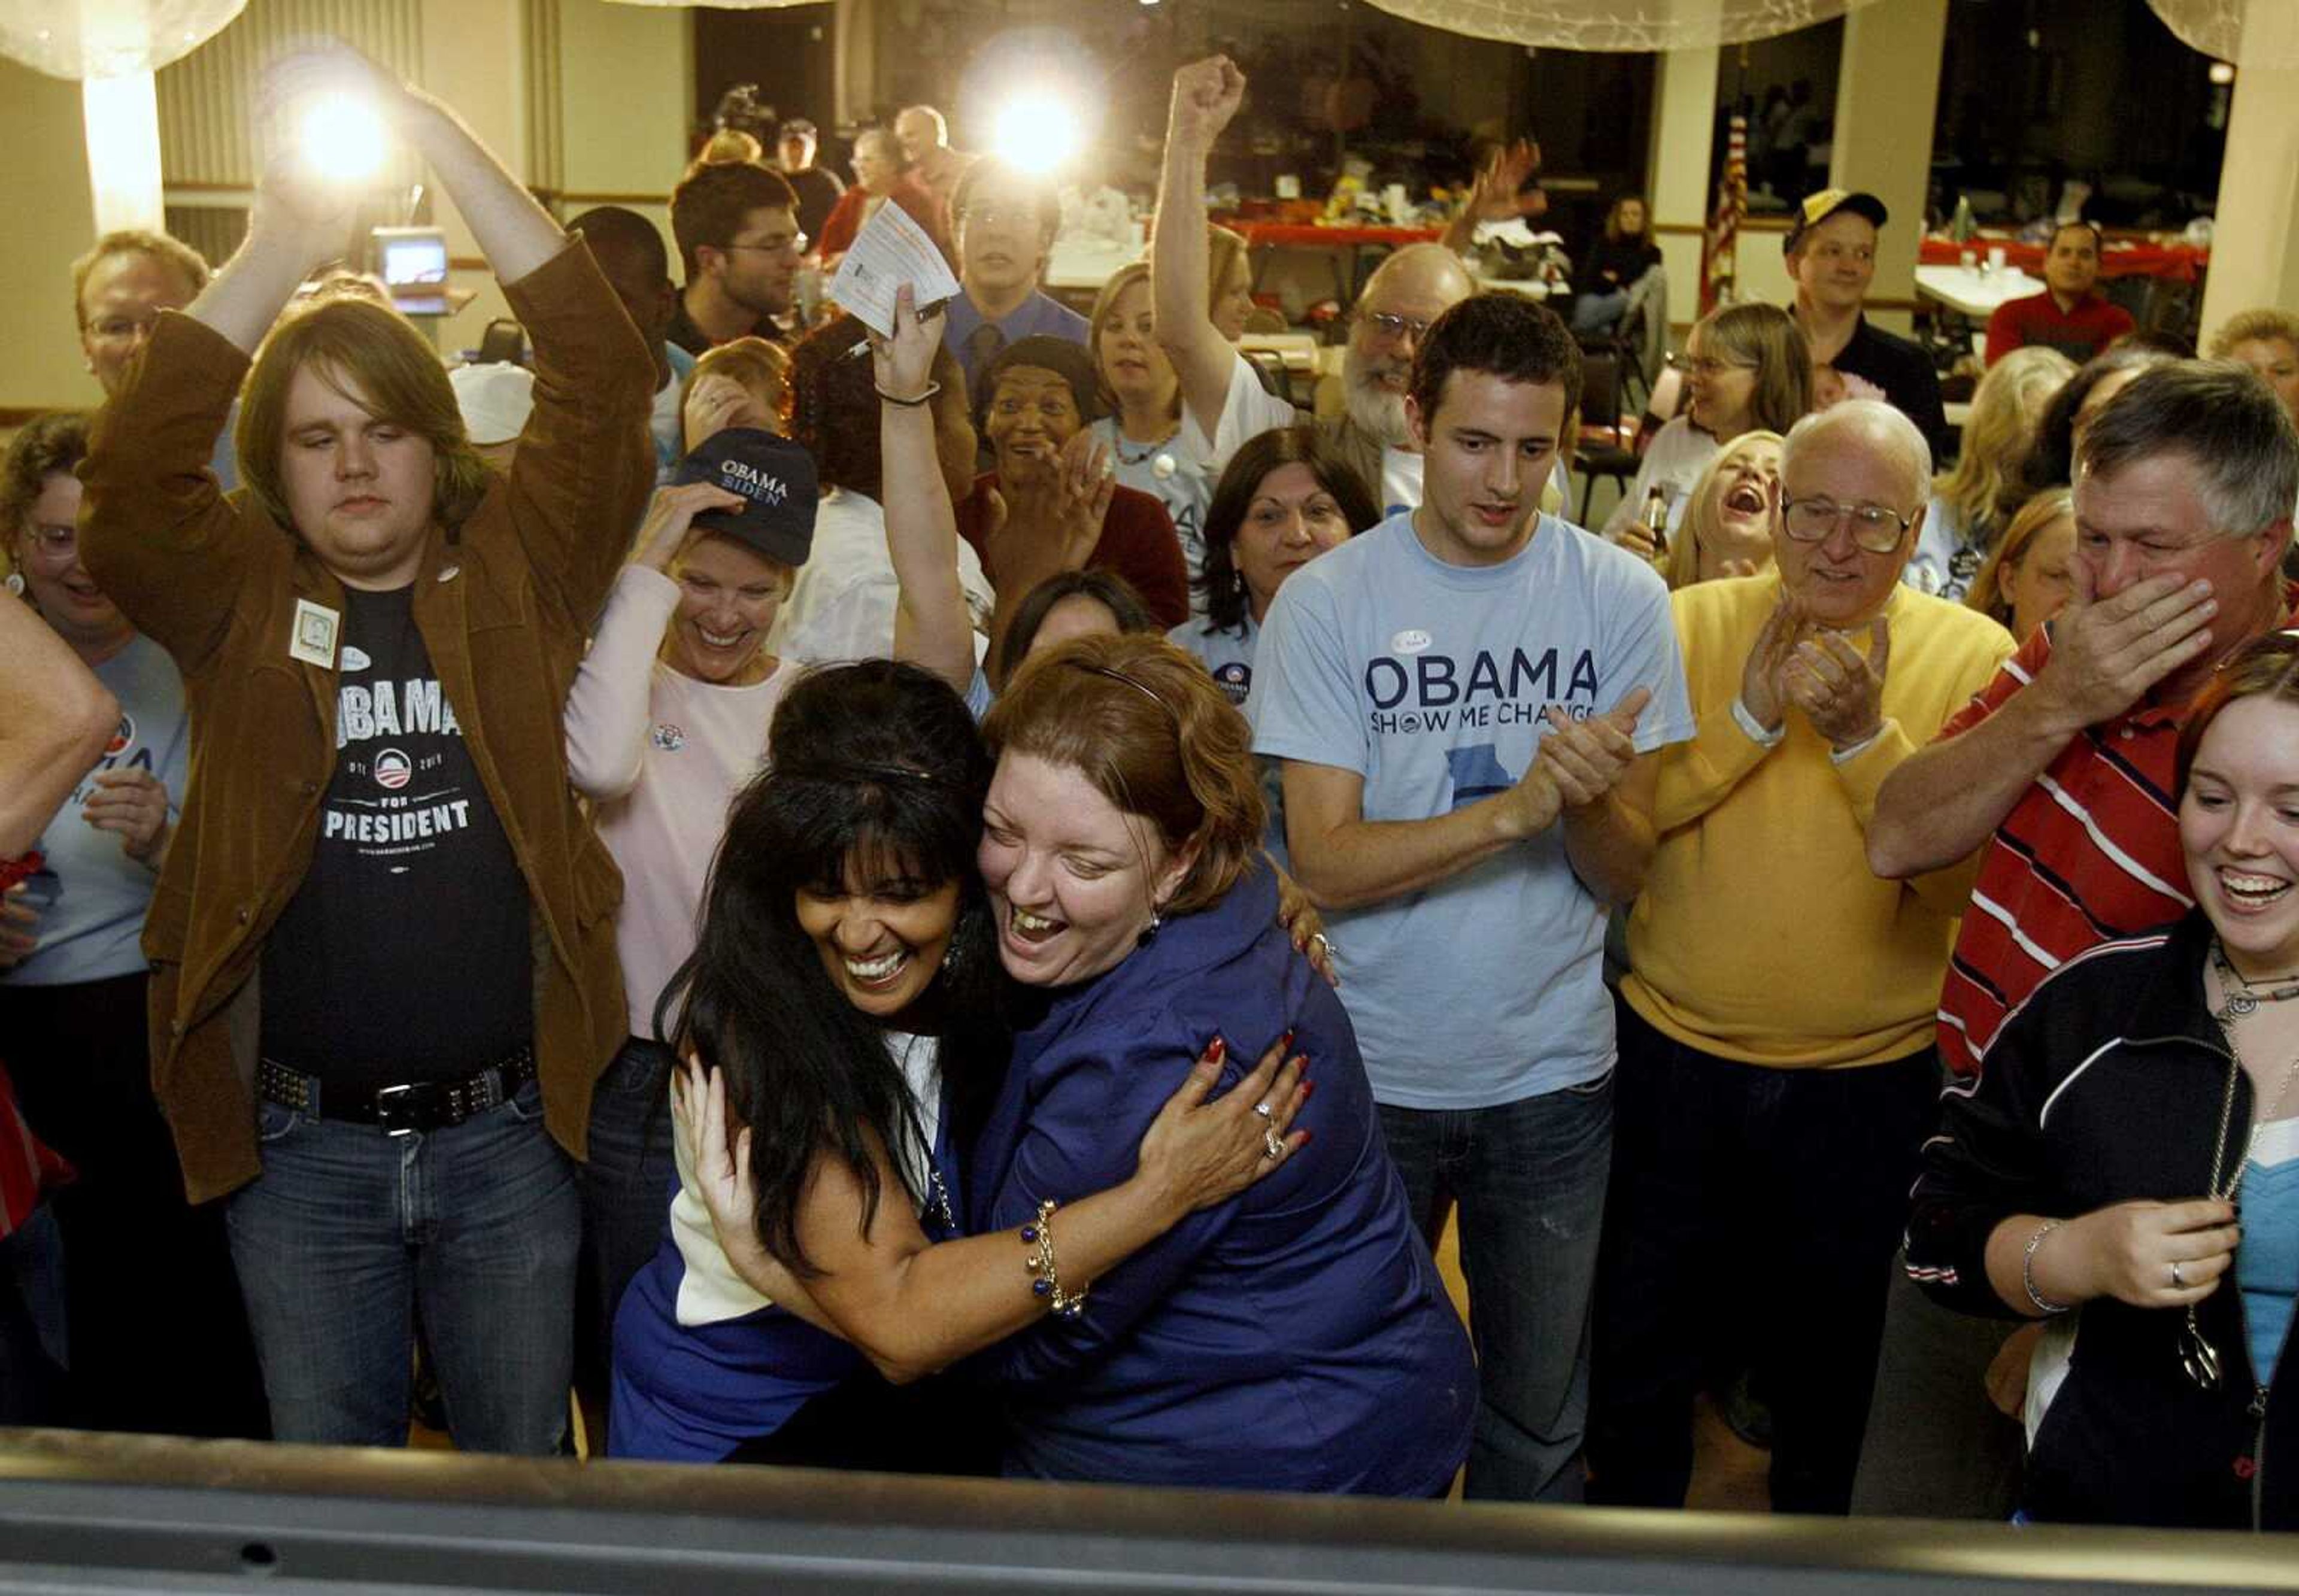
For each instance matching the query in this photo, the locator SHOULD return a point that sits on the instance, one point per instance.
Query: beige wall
(2253, 262)
(1886, 94)
(50, 222)
(1684, 112)
(625, 83)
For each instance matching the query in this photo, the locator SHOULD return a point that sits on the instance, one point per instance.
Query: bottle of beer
(1655, 517)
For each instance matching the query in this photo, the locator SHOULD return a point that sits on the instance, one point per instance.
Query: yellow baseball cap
(1819, 207)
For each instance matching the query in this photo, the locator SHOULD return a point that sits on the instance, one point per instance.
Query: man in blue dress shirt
(1005, 221)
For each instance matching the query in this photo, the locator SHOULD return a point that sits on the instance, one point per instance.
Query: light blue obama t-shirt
(1429, 680)
(92, 897)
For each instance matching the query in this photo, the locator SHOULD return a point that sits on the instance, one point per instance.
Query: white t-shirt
(710, 1291)
(1429, 680)
(662, 755)
(1248, 409)
(842, 605)
(92, 897)
(1172, 474)
(1673, 460)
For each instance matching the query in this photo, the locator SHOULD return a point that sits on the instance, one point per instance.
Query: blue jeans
(1529, 1177)
(1598, 312)
(626, 1190)
(347, 1228)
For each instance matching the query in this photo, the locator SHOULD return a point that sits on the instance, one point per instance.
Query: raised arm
(1947, 799)
(55, 719)
(1493, 196)
(1207, 94)
(607, 710)
(932, 626)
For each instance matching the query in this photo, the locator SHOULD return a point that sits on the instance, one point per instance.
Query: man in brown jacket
(383, 976)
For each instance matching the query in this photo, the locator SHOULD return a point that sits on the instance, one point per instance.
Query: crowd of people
(977, 897)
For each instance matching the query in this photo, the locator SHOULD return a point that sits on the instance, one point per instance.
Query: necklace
(2197, 1356)
(2242, 993)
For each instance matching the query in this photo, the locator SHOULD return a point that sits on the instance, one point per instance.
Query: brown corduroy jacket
(503, 605)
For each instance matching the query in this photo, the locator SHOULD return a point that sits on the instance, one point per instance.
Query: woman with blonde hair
(1143, 426)
(2024, 580)
(742, 383)
(1971, 504)
(1728, 527)
(1747, 367)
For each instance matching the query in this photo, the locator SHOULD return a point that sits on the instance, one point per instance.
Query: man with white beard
(1223, 400)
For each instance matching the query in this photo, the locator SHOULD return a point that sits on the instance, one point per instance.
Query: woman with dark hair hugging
(1212, 1328)
(845, 993)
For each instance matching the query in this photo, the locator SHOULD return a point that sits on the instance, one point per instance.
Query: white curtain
(108, 39)
(2261, 33)
(1622, 24)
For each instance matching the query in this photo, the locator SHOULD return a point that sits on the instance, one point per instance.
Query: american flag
(1718, 248)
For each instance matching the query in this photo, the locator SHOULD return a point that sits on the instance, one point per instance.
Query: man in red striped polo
(2062, 767)
(2061, 771)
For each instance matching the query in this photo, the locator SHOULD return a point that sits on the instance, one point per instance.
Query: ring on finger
(1262, 1108)
(2178, 1281)
(1272, 1148)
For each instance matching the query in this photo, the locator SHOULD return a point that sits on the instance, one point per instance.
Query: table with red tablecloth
(1349, 246)
(2121, 257)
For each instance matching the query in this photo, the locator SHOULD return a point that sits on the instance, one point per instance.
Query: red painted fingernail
(1286, 1041)
(1307, 1088)
(1308, 1137)
(1218, 1049)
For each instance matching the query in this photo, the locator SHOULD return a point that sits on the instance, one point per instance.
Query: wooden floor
(1727, 1474)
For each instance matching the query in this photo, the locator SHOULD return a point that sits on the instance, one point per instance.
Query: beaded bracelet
(2044, 1304)
(931, 388)
(1040, 1263)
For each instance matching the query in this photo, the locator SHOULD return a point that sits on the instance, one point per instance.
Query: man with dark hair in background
(1469, 700)
(630, 254)
(818, 187)
(739, 242)
(1004, 220)
(2071, 315)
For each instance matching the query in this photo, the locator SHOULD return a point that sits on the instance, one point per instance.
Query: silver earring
(15, 583)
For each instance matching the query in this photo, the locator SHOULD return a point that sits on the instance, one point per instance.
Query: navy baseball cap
(776, 478)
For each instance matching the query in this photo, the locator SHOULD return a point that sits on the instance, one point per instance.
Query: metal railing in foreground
(87, 1513)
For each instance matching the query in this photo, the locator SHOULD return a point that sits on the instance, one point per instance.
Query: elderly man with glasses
(1777, 1061)
(1223, 400)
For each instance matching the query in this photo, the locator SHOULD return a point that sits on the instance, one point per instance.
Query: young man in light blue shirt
(1469, 700)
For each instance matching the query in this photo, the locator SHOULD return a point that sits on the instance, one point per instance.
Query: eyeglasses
(55, 545)
(1709, 365)
(990, 216)
(1392, 327)
(1874, 529)
(122, 330)
(794, 245)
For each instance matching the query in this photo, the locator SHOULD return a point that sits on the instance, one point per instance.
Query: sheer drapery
(108, 39)
(2262, 33)
(1621, 24)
